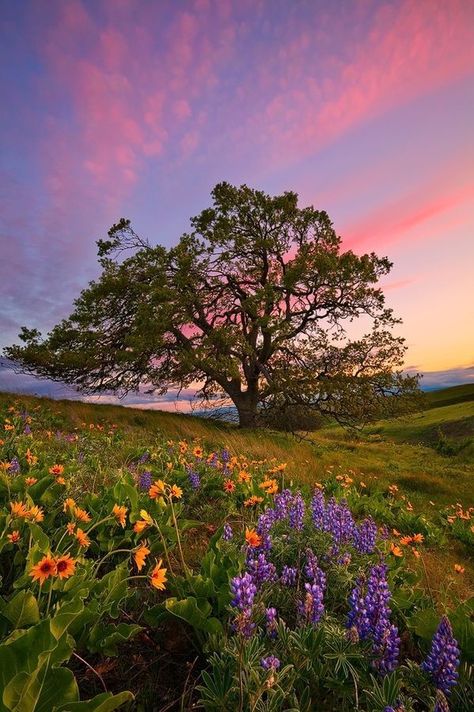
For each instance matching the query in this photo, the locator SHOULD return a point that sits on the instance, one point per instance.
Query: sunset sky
(137, 108)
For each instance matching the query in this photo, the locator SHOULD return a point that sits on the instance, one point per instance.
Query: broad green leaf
(106, 702)
(194, 612)
(22, 610)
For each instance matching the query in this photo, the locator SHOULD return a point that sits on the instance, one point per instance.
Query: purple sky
(137, 108)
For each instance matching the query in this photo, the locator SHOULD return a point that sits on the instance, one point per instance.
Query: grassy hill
(414, 476)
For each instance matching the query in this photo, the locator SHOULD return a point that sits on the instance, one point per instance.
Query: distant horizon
(25, 384)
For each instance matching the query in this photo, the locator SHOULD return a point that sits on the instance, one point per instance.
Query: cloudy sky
(137, 108)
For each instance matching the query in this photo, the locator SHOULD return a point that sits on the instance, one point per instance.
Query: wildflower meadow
(168, 574)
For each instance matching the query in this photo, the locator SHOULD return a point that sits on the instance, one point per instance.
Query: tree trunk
(247, 410)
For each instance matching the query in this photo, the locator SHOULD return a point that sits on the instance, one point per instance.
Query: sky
(137, 108)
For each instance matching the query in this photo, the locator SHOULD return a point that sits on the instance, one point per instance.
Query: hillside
(148, 516)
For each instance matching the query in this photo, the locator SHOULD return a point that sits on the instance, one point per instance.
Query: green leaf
(22, 610)
(195, 612)
(106, 638)
(39, 537)
(106, 702)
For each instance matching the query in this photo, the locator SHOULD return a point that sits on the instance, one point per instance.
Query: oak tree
(257, 302)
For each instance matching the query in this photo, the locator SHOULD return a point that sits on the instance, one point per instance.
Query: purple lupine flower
(282, 502)
(441, 704)
(144, 458)
(27, 430)
(225, 456)
(270, 663)
(264, 525)
(338, 521)
(442, 661)
(145, 480)
(318, 507)
(386, 647)
(14, 468)
(260, 569)
(311, 568)
(194, 479)
(227, 534)
(243, 589)
(378, 596)
(271, 622)
(288, 576)
(296, 512)
(365, 535)
(311, 608)
(358, 621)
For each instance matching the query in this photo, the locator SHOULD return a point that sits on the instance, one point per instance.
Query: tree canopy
(255, 303)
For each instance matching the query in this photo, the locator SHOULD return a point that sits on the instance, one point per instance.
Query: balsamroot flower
(253, 539)
(157, 489)
(82, 538)
(43, 569)
(120, 514)
(14, 537)
(442, 661)
(65, 566)
(18, 509)
(176, 492)
(140, 555)
(158, 576)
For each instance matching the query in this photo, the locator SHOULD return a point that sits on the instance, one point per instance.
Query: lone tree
(253, 304)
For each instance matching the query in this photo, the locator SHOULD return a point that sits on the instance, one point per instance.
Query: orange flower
(169, 465)
(7, 426)
(157, 489)
(35, 514)
(409, 507)
(30, 458)
(243, 476)
(82, 538)
(140, 555)
(253, 501)
(416, 553)
(418, 538)
(229, 486)
(81, 515)
(459, 569)
(65, 566)
(252, 538)
(139, 526)
(318, 486)
(18, 509)
(395, 532)
(70, 528)
(43, 569)
(5, 466)
(183, 446)
(363, 485)
(395, 550)
(56, 470)
(270, 486)
(198, 451)
(176, 492)
(14, 537)
(393, 489)
(69, 503)
(120, 513)
(30, 481)
(405, 540)
(158, 576)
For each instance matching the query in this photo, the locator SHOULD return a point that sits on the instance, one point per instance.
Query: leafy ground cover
(152, 561)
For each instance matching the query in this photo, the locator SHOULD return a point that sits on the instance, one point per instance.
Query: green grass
(401, 452)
